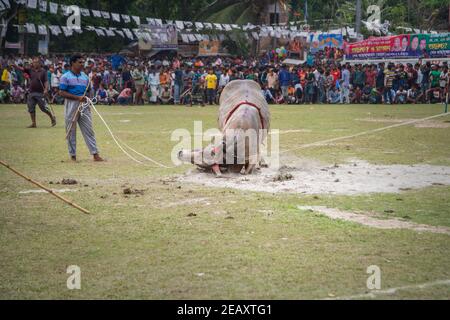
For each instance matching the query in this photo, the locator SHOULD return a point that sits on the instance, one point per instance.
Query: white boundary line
(318, 143)
(375, 293)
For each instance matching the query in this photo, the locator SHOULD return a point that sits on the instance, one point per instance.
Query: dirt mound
(311, 177)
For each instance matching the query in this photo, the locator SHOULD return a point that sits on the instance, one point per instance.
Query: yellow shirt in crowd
(211, 81)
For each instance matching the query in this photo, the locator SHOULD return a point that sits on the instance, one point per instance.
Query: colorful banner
(208, 48)
(400, 46)
(319, 41)
(164, 37)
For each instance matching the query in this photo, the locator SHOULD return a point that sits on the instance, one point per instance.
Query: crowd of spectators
(323, 78)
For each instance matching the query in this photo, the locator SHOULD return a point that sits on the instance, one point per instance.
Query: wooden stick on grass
(45, 188)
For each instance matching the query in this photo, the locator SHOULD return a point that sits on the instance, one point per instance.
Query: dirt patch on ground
(371, 221)
(422, 124)
(312, 177)
(43, 191)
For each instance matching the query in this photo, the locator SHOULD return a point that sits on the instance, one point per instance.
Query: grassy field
(230, 244)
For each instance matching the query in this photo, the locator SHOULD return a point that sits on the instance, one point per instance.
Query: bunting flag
(137, 20)
(42, 30)
(115, 17)
(120, 33)
(185, 38)
(227, 27)
(43, 6)
(53, 7)
(109, 32)
(30, 28)
(128, 33)
(179, 24)
(85, 12)
(96, 13)
(99, 32)
(192, 38)
(55, 30)
(4, 4)
(105, 15)
(32, 4)
(126, 18)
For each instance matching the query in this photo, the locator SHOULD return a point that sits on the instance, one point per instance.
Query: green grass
(247, 245)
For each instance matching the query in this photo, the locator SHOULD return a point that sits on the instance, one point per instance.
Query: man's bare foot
(33, 125)
(98, 158)
(73, 158)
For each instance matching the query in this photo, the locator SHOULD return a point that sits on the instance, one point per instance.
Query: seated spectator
(334, 96)
(17, 94)
(366, 93)
(125, 97)
(165, 96)
(101, 95)
(268, 95)
(400, 95)
(375, 96)
(357, 95)
(111, 95)
(413, 94)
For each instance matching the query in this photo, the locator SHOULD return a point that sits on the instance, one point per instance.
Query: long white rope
(90, 103)
(119, 143)
(319, 143)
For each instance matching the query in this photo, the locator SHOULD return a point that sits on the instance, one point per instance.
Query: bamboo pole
(45, 188)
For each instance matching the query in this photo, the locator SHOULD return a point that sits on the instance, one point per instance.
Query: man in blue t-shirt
(73, 87)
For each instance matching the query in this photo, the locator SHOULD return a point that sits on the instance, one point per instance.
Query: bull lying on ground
(244, 121)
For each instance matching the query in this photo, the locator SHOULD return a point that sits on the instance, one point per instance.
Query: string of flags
(187, 36)
(150, 29)
(55, 8)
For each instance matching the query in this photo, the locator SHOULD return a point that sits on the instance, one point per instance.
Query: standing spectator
(153, 82)
(345, 85)
(370, 76)
(211, 85)
(284, 79)
(177, 85)
(38, 89)
(389, 76)
(127, 80)
(359, 77)
(139, 81)
(272, 80)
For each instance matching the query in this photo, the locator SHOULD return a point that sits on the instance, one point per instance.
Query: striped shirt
(74, 84)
